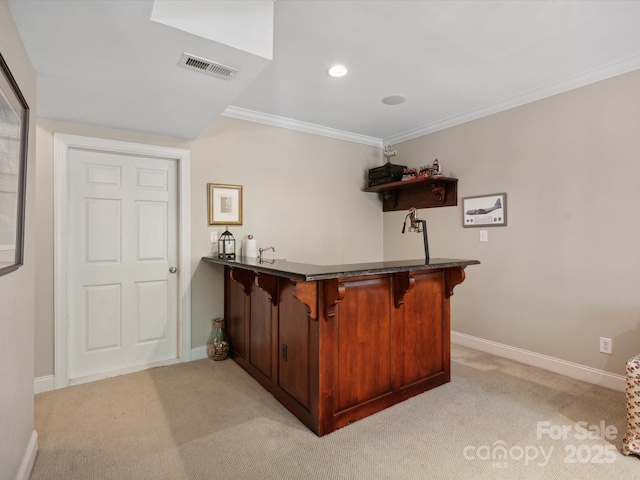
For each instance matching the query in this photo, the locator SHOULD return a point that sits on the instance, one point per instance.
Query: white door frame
(61, 145)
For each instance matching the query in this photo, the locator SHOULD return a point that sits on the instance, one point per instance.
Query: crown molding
(276, 121)
(601, 73)
(598, 74)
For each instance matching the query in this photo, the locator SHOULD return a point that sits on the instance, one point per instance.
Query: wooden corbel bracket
(333, 293)
(453, 277)
(402, 283)
(306, 293)
(389, 198)
(243, 277)
(438, 191)
(268, 283)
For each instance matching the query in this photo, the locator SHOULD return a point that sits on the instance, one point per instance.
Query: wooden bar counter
(337, 343)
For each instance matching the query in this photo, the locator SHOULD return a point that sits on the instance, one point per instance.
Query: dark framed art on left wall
(14, 128)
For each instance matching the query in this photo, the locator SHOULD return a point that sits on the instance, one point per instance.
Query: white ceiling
(107, 63)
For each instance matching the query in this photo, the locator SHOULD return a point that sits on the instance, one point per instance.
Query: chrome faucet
(262, 250)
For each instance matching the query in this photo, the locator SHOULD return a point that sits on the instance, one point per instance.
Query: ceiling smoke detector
(206, 66)
(394, 99)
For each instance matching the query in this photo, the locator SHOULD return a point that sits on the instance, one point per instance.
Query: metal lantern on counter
(227, 246)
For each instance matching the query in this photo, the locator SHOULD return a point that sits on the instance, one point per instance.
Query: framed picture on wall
(485, 210)
(14, 128)
(225, 204)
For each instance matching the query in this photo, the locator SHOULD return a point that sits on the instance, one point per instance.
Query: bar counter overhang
(336, 343)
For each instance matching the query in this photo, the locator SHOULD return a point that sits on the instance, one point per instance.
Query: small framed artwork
(14, 127)
(485, 210)
(225, 204)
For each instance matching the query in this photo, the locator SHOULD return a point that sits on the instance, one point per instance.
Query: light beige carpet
(211, 420)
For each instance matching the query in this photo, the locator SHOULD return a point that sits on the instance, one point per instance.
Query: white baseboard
(199, 353)
(44, 384)
(573, 370)
(569, 369)
(29, 457)
(47, 383)
(122, 371)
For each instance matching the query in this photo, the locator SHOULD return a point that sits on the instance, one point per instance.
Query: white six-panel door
(122, 250)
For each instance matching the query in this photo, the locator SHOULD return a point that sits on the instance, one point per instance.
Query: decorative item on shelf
(389, 152)
(218, 343)
(385, 174)
(430, 170)
(388, 172)
(226, 246)
(409, 174)
(417, 225)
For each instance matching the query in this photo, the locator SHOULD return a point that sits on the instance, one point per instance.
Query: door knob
(173, 270)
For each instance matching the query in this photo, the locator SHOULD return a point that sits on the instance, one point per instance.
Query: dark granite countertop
(307, 272)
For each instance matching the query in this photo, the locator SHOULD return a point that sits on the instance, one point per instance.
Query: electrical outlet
(214, 237)
(606, 345)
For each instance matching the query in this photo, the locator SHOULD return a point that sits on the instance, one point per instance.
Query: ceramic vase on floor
(218, 343)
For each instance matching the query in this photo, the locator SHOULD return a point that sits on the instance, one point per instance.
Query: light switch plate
(484, 237)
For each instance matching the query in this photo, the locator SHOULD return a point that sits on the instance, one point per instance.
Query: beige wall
(17, 288)
(302, 194)
(565, 270)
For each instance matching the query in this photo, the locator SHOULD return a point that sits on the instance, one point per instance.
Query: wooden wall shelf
(426, 192)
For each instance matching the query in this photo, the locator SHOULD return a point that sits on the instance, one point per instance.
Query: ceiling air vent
(206, 66)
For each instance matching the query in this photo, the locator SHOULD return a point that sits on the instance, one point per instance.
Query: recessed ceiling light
(337, 71)
(394, 99)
